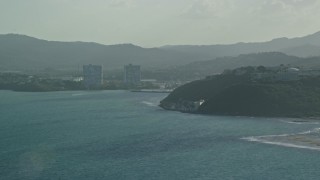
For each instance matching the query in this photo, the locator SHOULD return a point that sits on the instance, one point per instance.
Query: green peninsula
(251, 91)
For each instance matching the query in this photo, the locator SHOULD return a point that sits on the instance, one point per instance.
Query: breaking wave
(304, 140)
(149, 103)
(78, 94)
(299, 122)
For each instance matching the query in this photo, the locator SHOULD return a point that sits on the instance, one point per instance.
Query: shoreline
(302, 118)
(93, 90)
(304, 140)
(152, 91)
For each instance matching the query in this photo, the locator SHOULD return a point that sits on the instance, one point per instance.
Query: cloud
(207, 8)
(298, 3)
(287, 6)
(122, 3)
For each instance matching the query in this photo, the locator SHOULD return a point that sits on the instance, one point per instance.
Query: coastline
(153, 90)
(304, 140)
(181, 107)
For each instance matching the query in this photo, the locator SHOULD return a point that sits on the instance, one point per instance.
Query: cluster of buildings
(93, 75)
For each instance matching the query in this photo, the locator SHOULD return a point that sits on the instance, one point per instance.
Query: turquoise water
(124, 135)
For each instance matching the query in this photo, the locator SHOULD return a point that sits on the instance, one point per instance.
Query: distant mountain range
(201, 69)
(20, 52)
(302, 47)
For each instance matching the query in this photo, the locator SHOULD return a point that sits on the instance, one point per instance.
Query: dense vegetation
(291, 100)
(22, 82)
(239, 95)
(204, 89)
(28, 83)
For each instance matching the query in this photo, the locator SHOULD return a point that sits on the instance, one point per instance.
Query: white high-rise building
(132, 74)
(92, 76)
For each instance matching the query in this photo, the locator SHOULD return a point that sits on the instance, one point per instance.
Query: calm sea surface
(124, 135)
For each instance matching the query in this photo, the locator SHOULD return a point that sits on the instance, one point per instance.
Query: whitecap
(149, 103)
(302, 140)
(78, 94)
(254, 139)
(299, 122)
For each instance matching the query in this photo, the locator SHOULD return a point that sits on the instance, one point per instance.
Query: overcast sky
(151, 23)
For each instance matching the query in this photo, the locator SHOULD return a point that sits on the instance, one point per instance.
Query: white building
(132, 74)
(92, 76)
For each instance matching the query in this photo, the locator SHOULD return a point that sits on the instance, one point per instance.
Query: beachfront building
(92, 76)
(132, 74)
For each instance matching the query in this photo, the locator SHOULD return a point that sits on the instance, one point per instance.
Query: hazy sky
(150, 23)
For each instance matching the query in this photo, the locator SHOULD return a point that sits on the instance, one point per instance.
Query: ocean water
(125, 135)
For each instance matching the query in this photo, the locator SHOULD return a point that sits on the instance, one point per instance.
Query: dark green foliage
(292, 100)
(204, 89)
(21, 82)
(237, 95)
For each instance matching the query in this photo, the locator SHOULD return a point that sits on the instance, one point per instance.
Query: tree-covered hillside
(238, 93)
(274, 99)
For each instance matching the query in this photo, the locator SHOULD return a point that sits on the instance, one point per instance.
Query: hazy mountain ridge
(285, 45)
(201, 69)
(307, 50)
(20, 52)
(256, 59)
(23, 52)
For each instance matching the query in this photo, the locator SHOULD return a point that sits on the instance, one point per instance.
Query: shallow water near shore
(125, 135)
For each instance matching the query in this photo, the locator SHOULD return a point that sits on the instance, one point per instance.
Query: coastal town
(91, 77)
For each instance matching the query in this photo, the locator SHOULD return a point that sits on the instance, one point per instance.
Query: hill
(201, 69)
(301, 46)
(19, 52)
(279, 99)
(238, 94)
